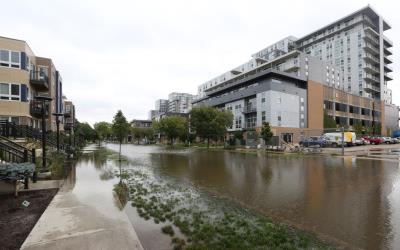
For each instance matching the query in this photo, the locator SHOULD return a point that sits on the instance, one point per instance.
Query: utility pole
(342, 141)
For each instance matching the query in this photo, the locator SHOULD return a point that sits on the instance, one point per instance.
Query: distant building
(141, 123)
(161, 105)
(180, 102)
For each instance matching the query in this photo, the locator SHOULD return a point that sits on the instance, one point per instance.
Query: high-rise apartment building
(354, 46)
(180, 102)
(161, 105)
(340, 70)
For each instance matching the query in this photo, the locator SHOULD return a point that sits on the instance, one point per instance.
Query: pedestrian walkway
(83, 215)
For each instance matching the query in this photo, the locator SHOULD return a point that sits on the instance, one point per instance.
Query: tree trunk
(120, 143)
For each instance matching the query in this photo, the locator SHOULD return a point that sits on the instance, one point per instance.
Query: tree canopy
(120, 126)
(173, 127)
(210, 123)
(266, 132)
(103, 130)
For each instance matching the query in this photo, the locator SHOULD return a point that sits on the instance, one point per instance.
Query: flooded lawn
(194, 195)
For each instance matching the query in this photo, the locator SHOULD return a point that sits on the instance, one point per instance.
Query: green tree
(120, 128)
(210, 123)
(103, 130)
(266, 132)
(85, 131)
(329, 122)
(173, 127)
(358, 128)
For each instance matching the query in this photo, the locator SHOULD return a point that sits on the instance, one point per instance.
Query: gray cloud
(125, 54)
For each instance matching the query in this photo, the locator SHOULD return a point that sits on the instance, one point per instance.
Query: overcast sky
(126, 54)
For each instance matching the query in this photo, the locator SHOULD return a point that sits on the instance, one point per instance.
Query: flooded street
(353, 202)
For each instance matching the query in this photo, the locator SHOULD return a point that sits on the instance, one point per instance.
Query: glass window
(14, 89)
(15, 57)
(4, 55)
(4, 89)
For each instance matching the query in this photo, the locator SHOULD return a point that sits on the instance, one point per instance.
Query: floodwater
(352, 202)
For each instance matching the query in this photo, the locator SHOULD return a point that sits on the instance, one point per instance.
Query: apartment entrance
(287, 137)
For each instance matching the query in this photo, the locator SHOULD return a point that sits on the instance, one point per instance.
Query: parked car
(361, 141)
(387, 140)
(373, 140)
(314, 141)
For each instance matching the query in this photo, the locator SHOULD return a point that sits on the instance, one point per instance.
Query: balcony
(369, 47)
(371, 87)
(387, 60)
(371, 68)
(388, 68)
(388, 77)
(68, 126)
(370, 38)
(249, 109)
(35, 108)
(387, 42)
(370, 58)
(371, 78)
(290, 66)
(39, 80)
(387, 51)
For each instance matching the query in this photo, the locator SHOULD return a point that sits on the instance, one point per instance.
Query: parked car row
(349, 139)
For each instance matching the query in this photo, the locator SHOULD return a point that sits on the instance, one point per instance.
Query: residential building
(69, 114)
(161, 105)
(180, 102)
(350, 55)
(24, 76)
(294, 106)
(141, 123)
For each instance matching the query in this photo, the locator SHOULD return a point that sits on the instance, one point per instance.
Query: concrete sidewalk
(84, 214)
(69, 224)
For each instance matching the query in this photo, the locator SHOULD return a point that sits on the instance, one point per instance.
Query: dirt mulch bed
(17, 221)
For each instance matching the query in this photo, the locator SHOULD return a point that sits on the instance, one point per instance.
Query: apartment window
(263, 118)
(279, 100)
(10, 59)
(279, 118)
(263, 99)
(10, 91)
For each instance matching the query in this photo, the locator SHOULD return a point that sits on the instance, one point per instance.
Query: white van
(335, 139)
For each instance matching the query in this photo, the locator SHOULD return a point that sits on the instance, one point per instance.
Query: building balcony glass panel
(39, 80)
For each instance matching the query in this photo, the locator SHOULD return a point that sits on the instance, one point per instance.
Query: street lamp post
(57, 115)
(43, 99)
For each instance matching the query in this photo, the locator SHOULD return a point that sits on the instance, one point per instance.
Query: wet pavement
(350, 201)
(84, 214)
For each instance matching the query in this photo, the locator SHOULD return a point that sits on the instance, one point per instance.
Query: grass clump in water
(168, 230)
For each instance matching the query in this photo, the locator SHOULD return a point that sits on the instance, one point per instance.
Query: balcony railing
(39, 80)
(371, 48)
(372, 87)
(68, 126)
(388, 68)
(371, 68)
(371, 77)
(249, 109)
(371, 38)
(387, 60)
(388, 77)
(371, 58)
(36, 108)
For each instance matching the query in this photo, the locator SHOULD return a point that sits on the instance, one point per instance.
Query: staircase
(13, 152)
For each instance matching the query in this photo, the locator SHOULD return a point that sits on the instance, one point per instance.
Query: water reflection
(352, 201)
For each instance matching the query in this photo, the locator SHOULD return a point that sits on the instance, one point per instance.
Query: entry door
(287, 137)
